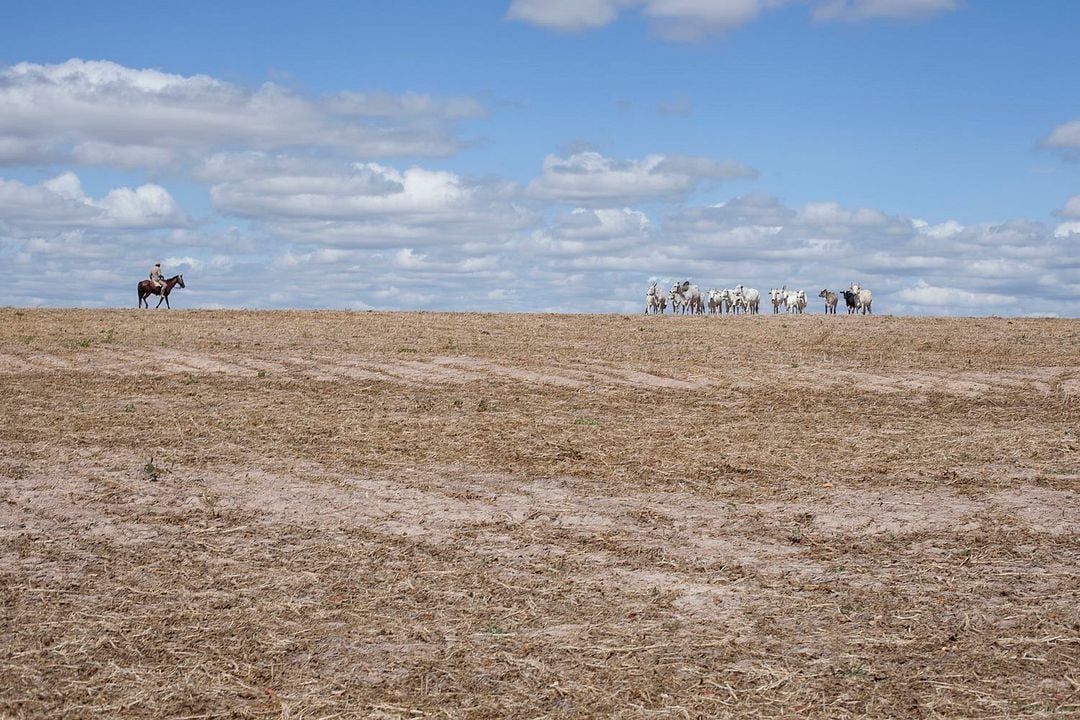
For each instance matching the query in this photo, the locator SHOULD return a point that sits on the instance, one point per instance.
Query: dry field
(393, 515)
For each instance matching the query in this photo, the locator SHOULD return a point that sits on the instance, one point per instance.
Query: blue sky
(543, 155)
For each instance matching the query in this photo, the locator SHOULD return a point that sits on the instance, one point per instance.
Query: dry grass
(307, 515)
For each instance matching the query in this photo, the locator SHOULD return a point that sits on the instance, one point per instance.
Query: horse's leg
(167, 306)
(159, 302)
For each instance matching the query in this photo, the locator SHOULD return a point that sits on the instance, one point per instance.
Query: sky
(541, 155)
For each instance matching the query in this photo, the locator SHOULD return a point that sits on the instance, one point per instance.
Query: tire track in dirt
(461, 370)
(969, 385)
(13, 364)
(514, 373)
(619, 544)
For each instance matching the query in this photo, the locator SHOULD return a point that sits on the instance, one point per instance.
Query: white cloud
(566, 15)
(591, 178)
(61, 201)
(94, 152)
(99, 112)
(264, 187)
(1071, 209)
(951, 298)
(674, 19)
(584, 231)
(944, 230)
(828, 215)
(1065, 136)
(1064, 230)
(882, 9)
(324, 233)
(692, 20)
(360, 204)
(407, 105)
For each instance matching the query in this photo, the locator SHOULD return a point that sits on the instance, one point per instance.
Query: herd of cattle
(686, 298)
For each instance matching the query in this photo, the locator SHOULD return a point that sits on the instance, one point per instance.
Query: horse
(149, 287)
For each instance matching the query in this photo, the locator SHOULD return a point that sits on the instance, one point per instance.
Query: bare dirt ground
(310, 515)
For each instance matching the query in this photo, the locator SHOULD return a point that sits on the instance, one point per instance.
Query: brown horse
(149, 287)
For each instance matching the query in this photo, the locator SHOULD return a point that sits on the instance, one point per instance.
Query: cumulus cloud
(407, 105)
(1068, 230)
(588, 258)
(675, 19)
(913, 267)
(358, 204)
(589, 232)
(593, 179)
(567, 15)
(1065, 138)
(61, 201)
(1071, 209)
(692, 20)
(951, 298)
(853, 10)
(103, 113)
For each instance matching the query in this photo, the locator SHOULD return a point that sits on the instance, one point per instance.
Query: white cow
(654, 301)
(863, 298)
(675, 302)
(800, 301)
(716, 301)
(751, 298)
(795, 301)
(777, 296)
(729, 300)
(689, 297)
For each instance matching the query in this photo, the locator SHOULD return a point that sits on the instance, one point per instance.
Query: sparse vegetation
(153, 472)
(553, 516)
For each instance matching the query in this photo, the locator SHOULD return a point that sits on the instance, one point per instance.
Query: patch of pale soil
(965, 384)
(492, 368)
(677, 543)
(719, 601)
(421, 372)
(917, 382)
(1040, 509)
(40, 360)
(869, 513)
(626, 376)
(14, 364)
(185, 362)
(325, 369)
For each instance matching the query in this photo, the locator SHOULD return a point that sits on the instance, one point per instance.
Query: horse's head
(180, 281)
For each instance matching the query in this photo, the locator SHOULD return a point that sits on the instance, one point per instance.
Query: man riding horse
(156, 277)
(158, 285)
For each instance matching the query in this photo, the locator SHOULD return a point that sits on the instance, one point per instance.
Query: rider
(156, 277)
